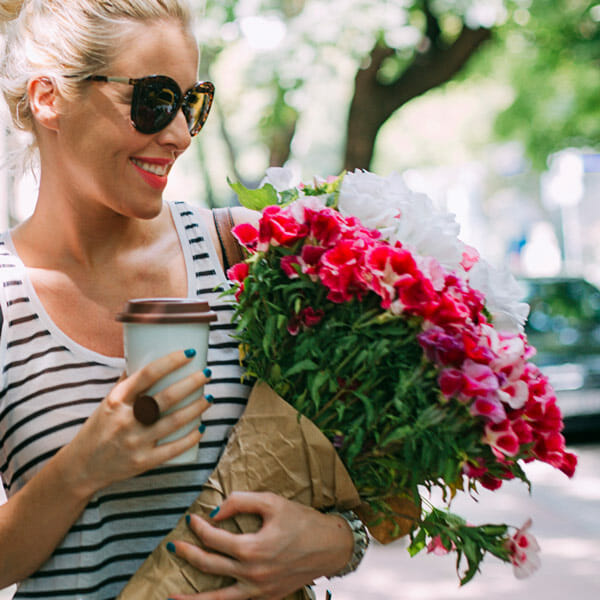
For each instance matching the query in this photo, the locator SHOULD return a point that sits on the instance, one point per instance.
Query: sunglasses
(157, 98)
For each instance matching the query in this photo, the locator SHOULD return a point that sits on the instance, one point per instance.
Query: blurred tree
(399, 49)
(553, 53)
(388, 52)
(390, 76)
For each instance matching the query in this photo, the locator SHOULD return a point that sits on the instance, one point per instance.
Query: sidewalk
(566, 523)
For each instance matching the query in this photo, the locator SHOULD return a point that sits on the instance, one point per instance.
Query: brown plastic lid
(166, 310)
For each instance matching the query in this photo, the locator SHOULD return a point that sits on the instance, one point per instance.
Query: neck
(75, 232)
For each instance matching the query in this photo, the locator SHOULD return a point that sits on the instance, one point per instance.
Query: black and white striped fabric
(50, 385)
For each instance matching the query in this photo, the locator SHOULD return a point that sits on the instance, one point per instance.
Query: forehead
(157, 47)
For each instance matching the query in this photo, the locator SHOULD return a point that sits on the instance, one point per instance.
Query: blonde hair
(67, 40)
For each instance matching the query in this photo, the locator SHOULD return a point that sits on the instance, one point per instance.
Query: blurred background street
(566, 523)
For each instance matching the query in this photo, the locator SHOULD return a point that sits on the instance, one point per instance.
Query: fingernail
(210, 398)
(202, 428)
(171, 547)
(214, 511)
(188, 519)
(207, 372)
(190, 353)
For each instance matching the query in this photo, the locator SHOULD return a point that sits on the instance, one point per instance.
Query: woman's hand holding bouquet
(404, 348)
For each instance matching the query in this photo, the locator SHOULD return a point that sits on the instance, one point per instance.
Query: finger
(259, 503)
(220, 540)
(169, 423)
(169, 450)
(182, 388)
(148, 375)
(207, 562)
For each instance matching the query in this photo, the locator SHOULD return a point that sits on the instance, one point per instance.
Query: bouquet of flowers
(361, 307)
(390, 361)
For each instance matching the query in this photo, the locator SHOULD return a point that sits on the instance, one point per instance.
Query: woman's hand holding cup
(113, 445)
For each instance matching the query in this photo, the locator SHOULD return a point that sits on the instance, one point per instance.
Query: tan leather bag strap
(232, 251)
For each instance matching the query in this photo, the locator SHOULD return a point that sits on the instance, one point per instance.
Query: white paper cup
(154, 327)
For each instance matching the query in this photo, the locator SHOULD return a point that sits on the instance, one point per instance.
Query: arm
(111, 446)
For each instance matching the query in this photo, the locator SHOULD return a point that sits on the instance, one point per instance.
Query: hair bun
(10, 9)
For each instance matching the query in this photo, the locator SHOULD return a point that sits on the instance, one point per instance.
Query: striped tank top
(50, 385)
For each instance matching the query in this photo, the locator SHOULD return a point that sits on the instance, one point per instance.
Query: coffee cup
(154, 327)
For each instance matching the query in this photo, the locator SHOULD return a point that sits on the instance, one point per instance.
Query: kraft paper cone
(270, 449)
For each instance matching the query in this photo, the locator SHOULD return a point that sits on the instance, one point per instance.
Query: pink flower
(469, 257)
(474, 469)
(311, 317)
(500, 436)
(443, 347)
(339, 271)
(489, 407)
(479, 379)
(238, 272)
(325, 227)
(451, 382)
(524, 549)
(436, 546)
(247, 235)
(523, 431)
(277, 228)
(569, 463)
(417, 296)
(476, 346)
(288, 265)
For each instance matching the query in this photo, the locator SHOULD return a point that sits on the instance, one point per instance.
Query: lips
(154, 171)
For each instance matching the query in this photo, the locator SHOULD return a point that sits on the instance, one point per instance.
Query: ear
(43, 101)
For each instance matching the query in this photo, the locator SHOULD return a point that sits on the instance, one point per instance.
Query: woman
(88, 494)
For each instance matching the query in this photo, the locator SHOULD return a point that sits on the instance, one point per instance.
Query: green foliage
(553, 61)
(471, 542)
(256, 200)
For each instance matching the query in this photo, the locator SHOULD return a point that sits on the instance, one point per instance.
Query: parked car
(564, 327)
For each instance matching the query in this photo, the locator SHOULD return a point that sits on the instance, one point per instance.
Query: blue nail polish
(188, 519)
(171, 547)
(214, 511)
(190, 353)
(202, 428)
(210, 398)
(207, 372)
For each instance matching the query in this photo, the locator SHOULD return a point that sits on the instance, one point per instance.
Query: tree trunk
(374, 102)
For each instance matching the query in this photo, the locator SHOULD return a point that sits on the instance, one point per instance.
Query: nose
(176, 133)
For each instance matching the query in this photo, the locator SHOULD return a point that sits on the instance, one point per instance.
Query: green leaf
(254, 199)
(418, 543)
(303, 365)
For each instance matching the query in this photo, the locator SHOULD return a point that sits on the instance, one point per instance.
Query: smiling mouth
(160, 170)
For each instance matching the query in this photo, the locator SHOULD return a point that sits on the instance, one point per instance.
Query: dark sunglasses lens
(196, 106)
(155, 103)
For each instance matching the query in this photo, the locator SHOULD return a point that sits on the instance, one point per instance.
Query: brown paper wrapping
(270, 449)
(385, 528)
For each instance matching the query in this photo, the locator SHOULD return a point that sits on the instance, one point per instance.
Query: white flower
(281, 178)
(387, 204)
(524, 549)
(373, 199)
(502, 294)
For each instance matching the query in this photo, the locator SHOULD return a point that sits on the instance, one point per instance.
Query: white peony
(502, 296)
(388, 204)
